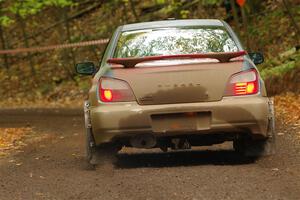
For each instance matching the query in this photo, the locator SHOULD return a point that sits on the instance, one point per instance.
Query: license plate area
(186, 121)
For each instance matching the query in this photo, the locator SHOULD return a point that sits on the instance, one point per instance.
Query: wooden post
(234, 12)
(64, 53)
(67, 26)
(245, 27)
(22, 24)
(3, 43)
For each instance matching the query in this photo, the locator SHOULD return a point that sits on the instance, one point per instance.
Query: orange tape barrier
(52, 47)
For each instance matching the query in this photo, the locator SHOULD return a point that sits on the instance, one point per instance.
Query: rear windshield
(173, 41)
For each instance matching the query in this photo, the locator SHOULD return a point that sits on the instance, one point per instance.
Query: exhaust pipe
(146, 141)
(177, 143)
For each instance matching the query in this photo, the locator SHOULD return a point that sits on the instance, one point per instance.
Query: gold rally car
(175, 84)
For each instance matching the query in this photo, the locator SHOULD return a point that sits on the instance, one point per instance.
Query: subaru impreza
(176, 84)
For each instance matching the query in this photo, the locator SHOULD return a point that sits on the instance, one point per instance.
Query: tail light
(115, 90)
(243, 83)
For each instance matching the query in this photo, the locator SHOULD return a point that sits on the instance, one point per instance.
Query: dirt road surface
(54, 168)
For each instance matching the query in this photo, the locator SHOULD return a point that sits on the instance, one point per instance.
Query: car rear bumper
(231, 114)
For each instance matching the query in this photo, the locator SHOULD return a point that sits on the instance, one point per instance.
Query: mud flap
(90, 146)
(96, 155)
(257, 148)
(270, 145)
(90, 142)
(87, 119)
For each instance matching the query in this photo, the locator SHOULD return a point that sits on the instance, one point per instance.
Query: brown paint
(179, 84)
(231, 115)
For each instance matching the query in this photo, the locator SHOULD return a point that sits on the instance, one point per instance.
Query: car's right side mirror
(85, 68)
(257, 57)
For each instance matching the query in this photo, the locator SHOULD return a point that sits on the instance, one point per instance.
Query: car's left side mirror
(257, 57)
(85, 68)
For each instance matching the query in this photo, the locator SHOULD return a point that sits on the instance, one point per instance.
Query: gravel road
(54, 167)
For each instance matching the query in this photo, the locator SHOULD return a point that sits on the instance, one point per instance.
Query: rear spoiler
(132, 62)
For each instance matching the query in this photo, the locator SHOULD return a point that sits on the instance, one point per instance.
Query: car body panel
(172, 24)
(177, 98)
(231, 114)
(185, 83)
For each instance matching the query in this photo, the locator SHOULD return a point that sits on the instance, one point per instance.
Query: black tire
(239, 145)
(90, 145)
(90, 150)
(257, 148)
(99, 155)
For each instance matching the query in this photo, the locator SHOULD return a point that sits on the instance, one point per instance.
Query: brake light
(243, 83)
(107, 94)
(115, 90)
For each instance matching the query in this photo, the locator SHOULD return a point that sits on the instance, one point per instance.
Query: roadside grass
(280, 65)
(279, 70)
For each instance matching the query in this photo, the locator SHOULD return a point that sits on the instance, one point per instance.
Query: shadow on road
(181, 158)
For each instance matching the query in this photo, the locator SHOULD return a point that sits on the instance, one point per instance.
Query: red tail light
(243, 83)
(115, 90)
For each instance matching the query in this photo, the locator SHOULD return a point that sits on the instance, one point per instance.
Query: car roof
(172, 23)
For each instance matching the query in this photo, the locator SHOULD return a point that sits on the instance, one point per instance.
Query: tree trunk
(245, 25)
(5, 57)
(125, 14)
(235, 15)
(59, 22)
(22, 25)
(67, 27)
(132, 6)
(92, 47)
(3, 42)
(287, 7)
(64, 52)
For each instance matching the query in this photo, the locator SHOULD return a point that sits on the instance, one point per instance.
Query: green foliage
(174, 6)
(280, 66)
(211, 2)
(58, 3)
(270, 31)
(160, 1)
(26, 8)
(5, 21)
(32, 7)
(279, 70)
(273, 32)
(184, 14)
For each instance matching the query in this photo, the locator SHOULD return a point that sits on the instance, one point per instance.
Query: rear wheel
(257, 148)
(99, 155)
(90, 145)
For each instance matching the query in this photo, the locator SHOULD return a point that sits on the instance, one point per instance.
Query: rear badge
(146, 98)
